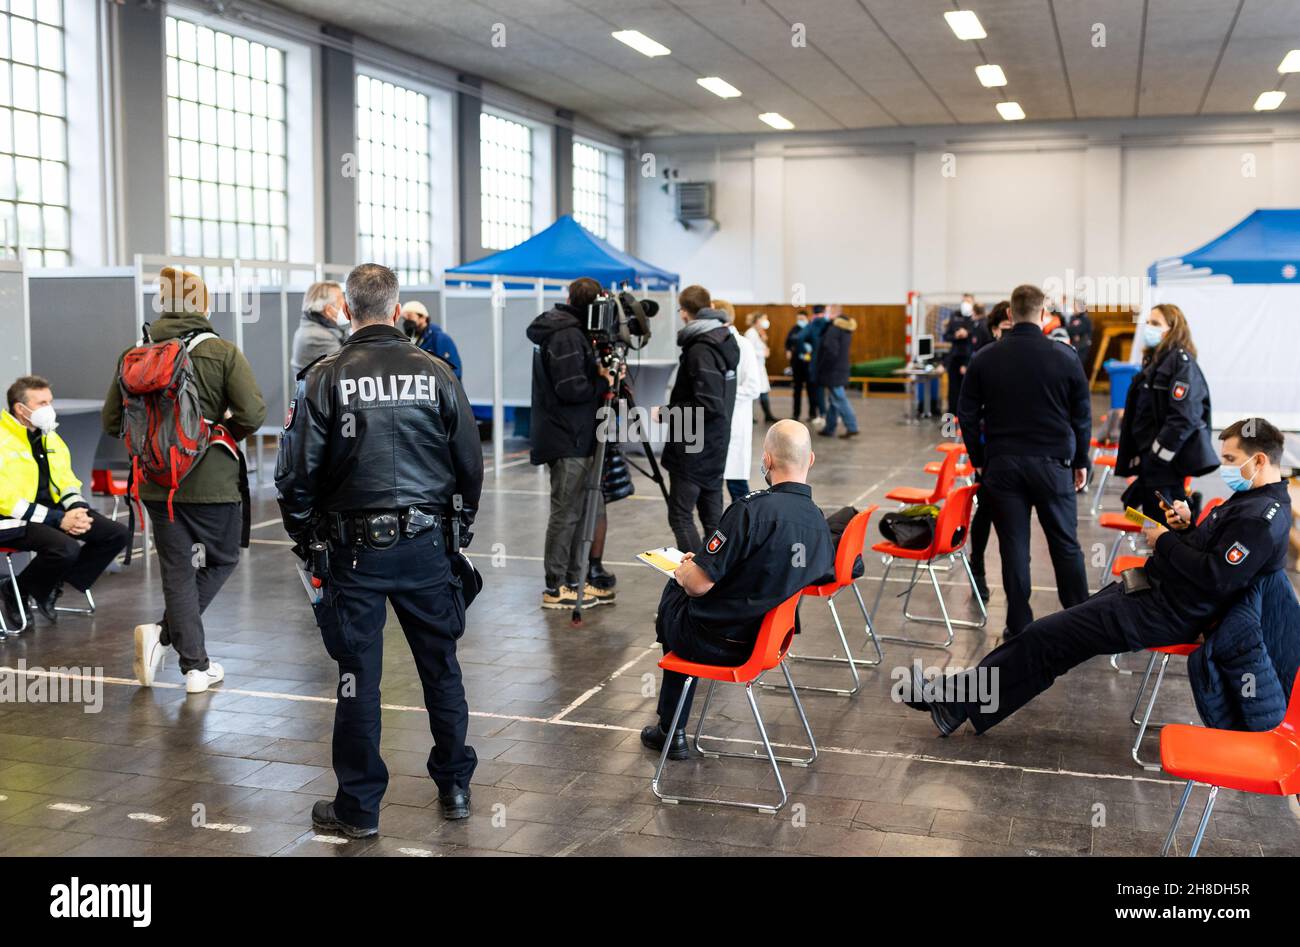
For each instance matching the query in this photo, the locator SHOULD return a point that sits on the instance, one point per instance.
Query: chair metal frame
(1145, 723)
(5, 630)
(1105, 475)
(784, 612)
(1178, 817)
(89, 608)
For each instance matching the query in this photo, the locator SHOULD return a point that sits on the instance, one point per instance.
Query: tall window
(393, 185)
(226, 148)
(598, 191)
(33, 131)
(506, 160)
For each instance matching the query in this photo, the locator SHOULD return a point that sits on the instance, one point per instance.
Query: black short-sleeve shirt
(768, 545)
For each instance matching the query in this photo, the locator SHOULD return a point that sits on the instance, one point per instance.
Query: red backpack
(162, 420)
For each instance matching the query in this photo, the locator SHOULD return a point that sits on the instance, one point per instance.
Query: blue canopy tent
(1241, 295)
(516, 285)
(567, 250)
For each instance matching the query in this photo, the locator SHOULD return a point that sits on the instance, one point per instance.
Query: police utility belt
(383, 529)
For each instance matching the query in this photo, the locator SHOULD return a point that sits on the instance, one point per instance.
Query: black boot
(947, 718)
(598, 577)
(455, 803)
(654, 736)
(9, 603)
(46, 606)
(324, 817)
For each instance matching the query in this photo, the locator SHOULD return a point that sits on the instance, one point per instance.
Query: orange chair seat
(1183, 649)
(822, 591)
(898, 552)
(1266, 763)
(1118, 521)
(963, 470)
(949, 447)
(909, 494)
(103, 483)
(1106, 460)
(709, 672)
(1124, 563)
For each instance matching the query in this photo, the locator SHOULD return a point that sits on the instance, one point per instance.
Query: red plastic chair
(5, 630)
(942, 485)
(774, 637)
(104, 484)
(1162, 653)
(1266, 763)
(1125, 529)
(950, 532)
(852, 544)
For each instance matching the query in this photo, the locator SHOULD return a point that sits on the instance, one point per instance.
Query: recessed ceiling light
(777, 120)
(1270, 100)
(1011, 111)
(641, 43)
(965, 24)
(719, 87)
(1290, 62)
(991, 76)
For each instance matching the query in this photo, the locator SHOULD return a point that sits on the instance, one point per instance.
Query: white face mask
(967, 308)
(342, 318)
(44, 419)
(763, 323)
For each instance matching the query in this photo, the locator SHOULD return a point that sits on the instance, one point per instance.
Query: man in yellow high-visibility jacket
(41, 508)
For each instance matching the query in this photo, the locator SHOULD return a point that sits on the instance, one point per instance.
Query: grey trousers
(197, 551)
(563, 542)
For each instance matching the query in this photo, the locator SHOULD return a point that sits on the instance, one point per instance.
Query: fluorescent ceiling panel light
(641, 43)
(991, 76)
(1290, 62)
(1011, 111)
(719, 87)
(777, 120)
(965, 24)
(1270, 100)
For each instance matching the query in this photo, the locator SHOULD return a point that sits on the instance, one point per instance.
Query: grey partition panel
(14, 327)
(264, 346)
(427, 295)
(80, 325)
(469, 321)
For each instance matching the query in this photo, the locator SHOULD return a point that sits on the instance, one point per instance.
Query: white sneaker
(150, 653)
(196, 682)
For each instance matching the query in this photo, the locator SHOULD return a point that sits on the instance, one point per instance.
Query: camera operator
(702, 399)
(568, 385)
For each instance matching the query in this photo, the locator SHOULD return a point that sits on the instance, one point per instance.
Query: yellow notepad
(1137, 516)
(666, 559)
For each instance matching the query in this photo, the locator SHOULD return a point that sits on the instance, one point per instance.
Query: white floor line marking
(487, 468)
(275, 522)
(330, 839)
(4, 798)
(584, 725)
(230, 827)
(67, 807)
(416, 852)
(592, 692)
(146, 817)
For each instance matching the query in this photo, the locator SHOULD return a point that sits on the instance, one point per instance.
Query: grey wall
(79, 362)
(13, 328)
(143, 131)
(338, 138)
(563, 164)
(468, 181)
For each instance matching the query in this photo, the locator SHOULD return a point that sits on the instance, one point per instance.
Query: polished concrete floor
(556, 711)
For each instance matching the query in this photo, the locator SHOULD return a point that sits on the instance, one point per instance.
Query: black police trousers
(1013, 486)
(685, 496)
(415, 576)
(60, 558)
(675, 631)
(1110, 622)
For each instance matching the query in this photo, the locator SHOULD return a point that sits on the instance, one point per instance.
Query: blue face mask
(1151, 335)
(1233, 477)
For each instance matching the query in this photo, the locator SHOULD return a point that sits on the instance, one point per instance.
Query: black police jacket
(1200, 571)
(566, 387)
(378, 425)
(1029, 396)
(962, 349)
(1165, 435)
(1079, 327)
(705, 387)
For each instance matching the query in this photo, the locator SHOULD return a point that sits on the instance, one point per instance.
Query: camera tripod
(591, 490)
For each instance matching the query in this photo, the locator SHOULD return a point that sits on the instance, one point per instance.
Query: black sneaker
(947, 719)
(324, 817)
(598, 576)
(455, 804)
(653, 737)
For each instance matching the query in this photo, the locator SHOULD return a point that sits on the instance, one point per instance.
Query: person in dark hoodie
(833, 372)
(810, 340)
(699, 413)
(568, 385)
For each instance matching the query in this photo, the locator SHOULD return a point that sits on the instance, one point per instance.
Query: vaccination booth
(1241, 295)
(487, 305)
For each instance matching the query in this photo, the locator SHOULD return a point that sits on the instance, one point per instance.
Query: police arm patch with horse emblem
(1236, 554)
(1180, 391)
(716, 541)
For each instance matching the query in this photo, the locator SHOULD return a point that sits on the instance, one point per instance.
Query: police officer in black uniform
(379, 476)
(768, 545)
(962, 335)
(1029, 397)
(1164, 436)
(1193, 577)
(1079, 327)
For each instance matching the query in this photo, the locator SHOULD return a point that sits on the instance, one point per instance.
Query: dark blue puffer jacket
(1243, 675)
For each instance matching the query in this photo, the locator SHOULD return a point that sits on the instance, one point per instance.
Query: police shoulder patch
(716, 541)
(1236, 554)
(1179, 391)
(288, 415)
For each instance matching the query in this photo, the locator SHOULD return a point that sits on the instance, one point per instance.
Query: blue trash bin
(1121, 376)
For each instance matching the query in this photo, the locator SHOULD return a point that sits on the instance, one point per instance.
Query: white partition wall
(15, 323)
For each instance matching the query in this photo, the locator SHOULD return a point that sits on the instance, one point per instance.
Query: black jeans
(59, 558)
(799, 381)
(198, 549)
(685, 496)
(981, 525)
(416, 578)
(1013, 486)
(675, 631)
(1108, 623)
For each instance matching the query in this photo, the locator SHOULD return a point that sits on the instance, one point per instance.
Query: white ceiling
(867, 63)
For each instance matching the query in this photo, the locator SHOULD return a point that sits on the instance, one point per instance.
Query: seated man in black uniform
(768, 545)
(1191, 580)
